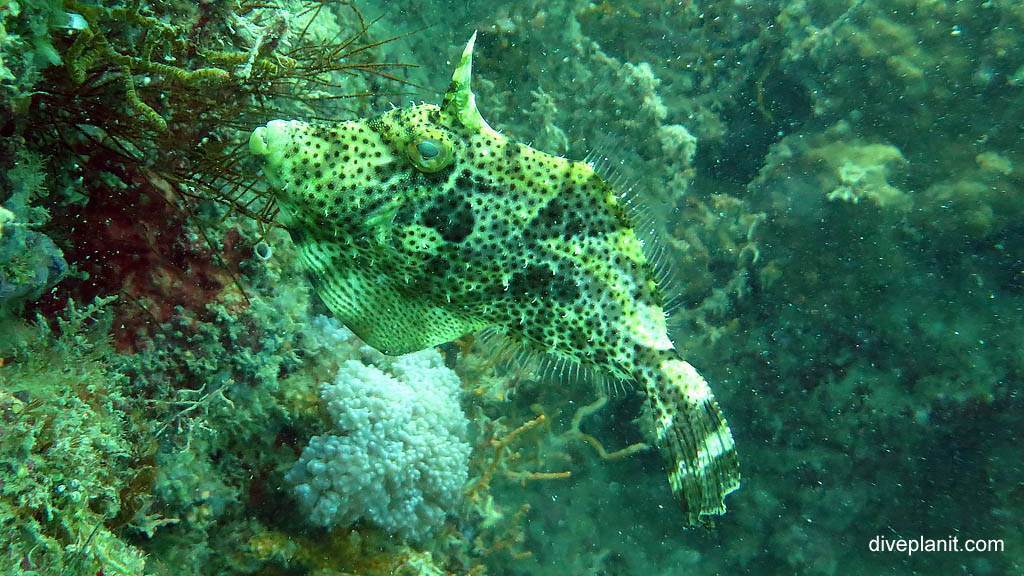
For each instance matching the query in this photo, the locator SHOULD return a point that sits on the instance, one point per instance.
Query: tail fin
(691, 433)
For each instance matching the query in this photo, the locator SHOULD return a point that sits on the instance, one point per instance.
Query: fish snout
(265, 140)
(270, 143)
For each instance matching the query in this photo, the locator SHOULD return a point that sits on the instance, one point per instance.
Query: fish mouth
(269, 143)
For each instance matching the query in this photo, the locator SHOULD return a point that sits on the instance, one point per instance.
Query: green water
(837, 188)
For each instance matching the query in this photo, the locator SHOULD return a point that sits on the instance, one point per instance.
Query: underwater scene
(559, 287)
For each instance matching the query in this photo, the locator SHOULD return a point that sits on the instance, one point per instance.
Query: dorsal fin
(645, 225)
(459, 101)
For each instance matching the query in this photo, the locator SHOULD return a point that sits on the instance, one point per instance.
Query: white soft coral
(396, 456)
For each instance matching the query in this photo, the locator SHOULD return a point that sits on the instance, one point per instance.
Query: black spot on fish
(451, 216)
(532, 281)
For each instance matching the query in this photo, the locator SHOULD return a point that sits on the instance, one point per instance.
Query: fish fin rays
(645, 225)
(512, 355)
(694, 439)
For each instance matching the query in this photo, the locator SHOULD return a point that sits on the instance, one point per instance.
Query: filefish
(425, 224)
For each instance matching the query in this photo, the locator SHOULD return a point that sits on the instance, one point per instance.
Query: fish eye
(428, 149)
(430, 152)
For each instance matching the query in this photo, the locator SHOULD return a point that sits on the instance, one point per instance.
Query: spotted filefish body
(425, 224)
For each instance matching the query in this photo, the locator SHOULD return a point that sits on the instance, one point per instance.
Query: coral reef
(70, 455)
(119, 175)
(836, 186)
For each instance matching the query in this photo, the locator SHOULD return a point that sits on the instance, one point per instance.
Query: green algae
(69, 449)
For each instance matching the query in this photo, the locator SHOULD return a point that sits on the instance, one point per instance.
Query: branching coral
(282, 60)
(575, 433)
(502, 454)
(91, 48)
(142, 121)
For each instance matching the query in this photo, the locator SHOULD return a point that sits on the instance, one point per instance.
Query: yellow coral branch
(500, 446)
(148, 114)
(575, 433)
(524, 477)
